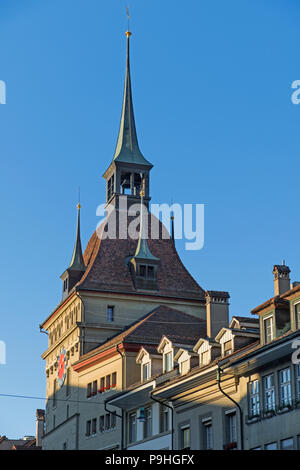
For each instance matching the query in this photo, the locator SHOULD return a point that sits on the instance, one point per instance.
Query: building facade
(244, 391)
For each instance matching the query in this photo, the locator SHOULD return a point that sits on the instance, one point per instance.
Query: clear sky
(212, 96)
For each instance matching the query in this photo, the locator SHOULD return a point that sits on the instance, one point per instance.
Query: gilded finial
(78, 205)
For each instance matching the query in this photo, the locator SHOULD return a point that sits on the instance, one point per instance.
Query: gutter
(235, 403)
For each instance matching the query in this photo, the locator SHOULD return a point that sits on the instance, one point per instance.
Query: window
(287, 444)
(107, 421)
(89, 390)
(147, 428)
(185, 436)
(231, 427)
(268, 329)
(184, 366)
(102, 385)
(68, 389)
(146, 371)
(88, 428)
(114, 379)
(94, 426)
(132, 427)
(168, 362)
(256, 448)
(150, 272)
(64, 446)
(271, 446)
(54, 392)
(110, 187)
(164, 419)
(297, 315)
(207, 434)
(254, 403)
(205, 357)
(101, 423)
(142, 270)
(113, 419)
(94, 388)
(227, 348)
(110, 313)
(107, 386)
(269, 393)
(297, 375)
(285, 387)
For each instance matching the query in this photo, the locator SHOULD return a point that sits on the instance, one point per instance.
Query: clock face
(62, 367)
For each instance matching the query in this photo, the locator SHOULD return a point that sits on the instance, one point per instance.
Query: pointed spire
(77, 263)
(127, 149)
(172, 227)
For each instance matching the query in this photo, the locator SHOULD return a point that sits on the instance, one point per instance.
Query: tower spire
(77, 263)
(127, 148)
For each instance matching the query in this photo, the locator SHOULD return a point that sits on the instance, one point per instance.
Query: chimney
(217, 312)
(281, 279)
(40, 422)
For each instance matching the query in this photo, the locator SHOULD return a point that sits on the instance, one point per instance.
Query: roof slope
(107, 269)
(178, 326)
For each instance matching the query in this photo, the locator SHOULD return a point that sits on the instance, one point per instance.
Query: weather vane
(127, 13)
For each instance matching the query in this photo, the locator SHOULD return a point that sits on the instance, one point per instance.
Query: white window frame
(146, 365)
(269, 394)
(254, 397)
(130, 433)
(270, 317)
(168, 354)
(285, 387)
(208, 435)
(183, 428)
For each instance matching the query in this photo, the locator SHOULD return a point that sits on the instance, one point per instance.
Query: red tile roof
(107, 268)
(179, 327)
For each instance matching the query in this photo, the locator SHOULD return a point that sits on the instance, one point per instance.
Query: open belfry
(119, 295)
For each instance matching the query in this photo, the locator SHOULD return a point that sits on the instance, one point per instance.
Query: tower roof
(77, 262)
(107, 269)
(127, 149)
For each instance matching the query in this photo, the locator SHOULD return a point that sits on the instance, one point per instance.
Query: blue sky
(212, 96)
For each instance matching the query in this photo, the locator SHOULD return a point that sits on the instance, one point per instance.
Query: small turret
(77, 267)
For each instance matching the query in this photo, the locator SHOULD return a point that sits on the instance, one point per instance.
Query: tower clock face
(62, 367)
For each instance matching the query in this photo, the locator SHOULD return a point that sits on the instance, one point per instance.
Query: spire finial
(77, 261)
(128, 33)
(78, 204)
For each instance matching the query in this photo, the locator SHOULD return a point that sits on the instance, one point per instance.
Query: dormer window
(146, 371)
(268, 329)
(297, 315)
(168, 361)
(65, 285)
(228, 348)
(147, 272)
(142, 270)
(204, 358)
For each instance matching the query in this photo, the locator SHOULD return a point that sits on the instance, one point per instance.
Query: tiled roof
(107, 270)
(246, 319)
(179, 327)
